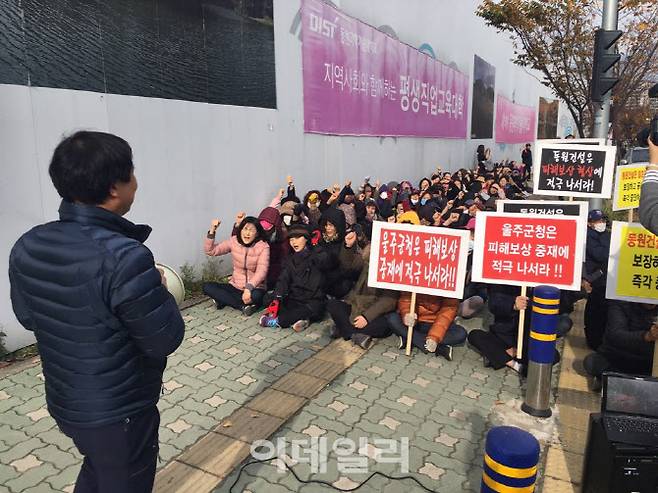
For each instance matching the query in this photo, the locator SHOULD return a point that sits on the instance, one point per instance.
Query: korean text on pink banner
(515, 123)
(360, 81)
(421, 259)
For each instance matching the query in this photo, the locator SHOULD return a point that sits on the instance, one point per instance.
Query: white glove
(430, 345)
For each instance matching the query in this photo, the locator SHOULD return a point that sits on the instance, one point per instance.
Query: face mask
(384, 195)
(287, 220)
(312, 205)
(415, 201)
(600, 227)
(423, 201)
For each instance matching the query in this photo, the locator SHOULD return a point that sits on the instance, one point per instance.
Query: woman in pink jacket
(251, 259)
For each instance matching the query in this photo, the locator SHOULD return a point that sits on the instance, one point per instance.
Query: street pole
(602, 110)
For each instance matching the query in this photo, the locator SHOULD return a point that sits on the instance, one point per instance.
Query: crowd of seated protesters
(301, 258)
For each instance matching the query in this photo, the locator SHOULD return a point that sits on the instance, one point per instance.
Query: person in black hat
(594, 277)
(299, 295)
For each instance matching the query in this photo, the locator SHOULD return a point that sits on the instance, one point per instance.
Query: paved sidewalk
(225, 359)
(443, 408)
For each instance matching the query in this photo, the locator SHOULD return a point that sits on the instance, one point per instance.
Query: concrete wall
(195, 161)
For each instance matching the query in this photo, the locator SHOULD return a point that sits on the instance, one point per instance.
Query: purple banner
(359, 81)
(515, 124)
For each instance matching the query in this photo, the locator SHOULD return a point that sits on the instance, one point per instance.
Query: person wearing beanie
(251, 258)
(275, 235)
(434, 328)
(299, 295)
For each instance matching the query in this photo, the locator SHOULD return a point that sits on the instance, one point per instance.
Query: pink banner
(515, 124)
(359, 81)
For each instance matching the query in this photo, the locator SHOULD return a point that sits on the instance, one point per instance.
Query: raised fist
(214, 225)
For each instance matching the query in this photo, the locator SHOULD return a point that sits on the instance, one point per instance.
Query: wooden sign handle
(410, 328)
(630, 215)
(519, 340)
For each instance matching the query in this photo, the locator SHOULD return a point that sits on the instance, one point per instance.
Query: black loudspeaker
(612, 467)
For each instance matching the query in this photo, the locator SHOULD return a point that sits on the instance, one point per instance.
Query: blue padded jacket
(104, 323)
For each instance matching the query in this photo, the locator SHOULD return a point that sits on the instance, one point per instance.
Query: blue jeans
(455, 335)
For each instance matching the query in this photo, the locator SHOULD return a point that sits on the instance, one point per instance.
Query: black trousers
(595, 317)
(291, 311)
(229, 295)
(120, 457)
(491, 347)
(340, 313)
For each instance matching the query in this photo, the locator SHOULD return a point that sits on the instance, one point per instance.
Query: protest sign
(419, 259)
(628, 184)
(573, 170)
(633, 264)
(528, 249)
(543, 207)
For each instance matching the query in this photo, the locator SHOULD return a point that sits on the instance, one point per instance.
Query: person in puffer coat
(104, 322)
(299, 294)
(251, 259)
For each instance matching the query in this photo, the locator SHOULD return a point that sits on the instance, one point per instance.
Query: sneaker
(363, 341)
(300, 325)
(445, 351)
(334, 333)
(401, 342)
(267, 321)
(249, 310)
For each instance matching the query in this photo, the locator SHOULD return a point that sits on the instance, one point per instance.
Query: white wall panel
(195, 161)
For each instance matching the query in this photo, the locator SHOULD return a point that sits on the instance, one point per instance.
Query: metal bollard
(510, 461)
(541, 350)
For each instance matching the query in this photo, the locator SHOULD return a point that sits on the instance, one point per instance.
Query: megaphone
(174, 282)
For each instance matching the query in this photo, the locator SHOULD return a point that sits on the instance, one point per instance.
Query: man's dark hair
(86, 165)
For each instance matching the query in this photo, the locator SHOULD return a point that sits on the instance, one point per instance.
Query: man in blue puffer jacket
(104, 322)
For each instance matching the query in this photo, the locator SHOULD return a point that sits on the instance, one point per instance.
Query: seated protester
(343, 265)
(424, 184)
(628, 341)
(434, 330)
(498, 345)
(597, 251)
(451, 219)
(362, 316)
(275, 236)
(414, 199)
(299, 297)
(371, 215)
(405, 190)
(347, 205)
(251, 259)
(429, 215)
(312, 208)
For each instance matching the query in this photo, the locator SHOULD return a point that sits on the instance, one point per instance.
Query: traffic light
(604, 60)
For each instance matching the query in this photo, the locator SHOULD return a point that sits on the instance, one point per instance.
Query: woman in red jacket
(251, 260)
